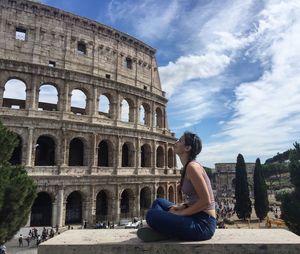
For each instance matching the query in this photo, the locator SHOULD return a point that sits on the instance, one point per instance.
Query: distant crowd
(34, 236)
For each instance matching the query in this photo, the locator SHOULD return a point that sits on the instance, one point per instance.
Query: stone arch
(160, 192)
(48, 97)
(79, 102)
(145, 119)
(16, 157)
(145, 200)
(170, 158)
(105, 153)
(74, 208)
(126, 203)
(77, 152)
(160, 157)
(14, 95)
(127, 110)
(171, 194)
(102, 205)
(41, 210)
(146, 155)
(104, 104)
(128, 157)
(45, 151)
(159, 117)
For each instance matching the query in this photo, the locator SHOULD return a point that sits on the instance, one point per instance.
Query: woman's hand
(177, 212)
(176, 209)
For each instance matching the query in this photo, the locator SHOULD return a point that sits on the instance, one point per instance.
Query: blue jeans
(196, 227)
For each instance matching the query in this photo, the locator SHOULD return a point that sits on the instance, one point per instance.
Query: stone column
(61, 206)
(137, 202)
(29, 147)
(65, 98)
(92, 207)
(153, 122)
(166, 157)
(94, 152)
(118, 154)
(1, 94)
(95, 104)
(137, 114)
(138, 155)
(54, 213)
(154, 157)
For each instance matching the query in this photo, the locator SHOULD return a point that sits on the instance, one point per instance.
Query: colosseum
(86, 103)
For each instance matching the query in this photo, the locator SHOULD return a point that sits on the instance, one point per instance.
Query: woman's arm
(194, 173)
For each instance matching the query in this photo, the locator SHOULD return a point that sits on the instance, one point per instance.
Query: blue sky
(231, 68)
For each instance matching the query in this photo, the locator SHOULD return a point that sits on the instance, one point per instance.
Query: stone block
(125, 241)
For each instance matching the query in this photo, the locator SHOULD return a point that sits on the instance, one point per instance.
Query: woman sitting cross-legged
(195, 219)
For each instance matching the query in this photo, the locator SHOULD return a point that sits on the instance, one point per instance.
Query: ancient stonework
(89, 163)
(225, 178)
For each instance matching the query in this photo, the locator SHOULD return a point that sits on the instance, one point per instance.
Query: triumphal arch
(86, 103)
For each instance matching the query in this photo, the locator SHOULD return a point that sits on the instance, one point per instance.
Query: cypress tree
(17, 189)
(243, 203)
(290, 206)
(261, 202)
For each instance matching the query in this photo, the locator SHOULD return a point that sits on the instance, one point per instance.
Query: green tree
(243, 203)
(290, 205)
(17, 189)
(261, 202)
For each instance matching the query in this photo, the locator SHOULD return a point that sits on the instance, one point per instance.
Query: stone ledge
(125, 241)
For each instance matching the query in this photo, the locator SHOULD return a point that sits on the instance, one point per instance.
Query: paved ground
(13, 248)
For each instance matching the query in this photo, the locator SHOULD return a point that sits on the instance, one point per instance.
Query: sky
(230, 68)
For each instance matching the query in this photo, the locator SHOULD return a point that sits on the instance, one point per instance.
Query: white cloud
(267, 111)
(150, 19)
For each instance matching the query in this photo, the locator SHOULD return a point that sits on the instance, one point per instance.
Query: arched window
(48, 97)
(14, 95)
(160, 157)
(45, 151)
(170, 158)
(146, 114)
(145, 200)
(142, 115)
(127, 155)
(78, 102)
(160, 193)
(124, 111)
(101, 206)
(76, 152)
(41, 210)
(103, 154)
(74, 208)
(159, 118)
(127, 204)
(104, 104)
(171, 194)
(146, 155)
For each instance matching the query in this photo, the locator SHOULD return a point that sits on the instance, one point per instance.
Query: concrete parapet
(124, 241)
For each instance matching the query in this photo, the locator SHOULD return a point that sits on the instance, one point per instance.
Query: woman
(194, 220)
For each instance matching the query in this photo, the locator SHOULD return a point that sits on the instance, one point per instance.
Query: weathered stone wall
(115, 65)
(225, 176)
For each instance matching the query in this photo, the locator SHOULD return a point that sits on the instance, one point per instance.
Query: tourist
(21, 241)
(195, 219)
(2, 248)
(28, 240)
